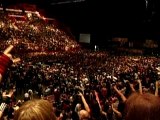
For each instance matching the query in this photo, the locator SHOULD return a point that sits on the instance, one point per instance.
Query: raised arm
(120, 93)
(116, 111)
(157, 85)
(97, 98)
(86, 106)
(132, 87)
(140, 86)
(10, 94)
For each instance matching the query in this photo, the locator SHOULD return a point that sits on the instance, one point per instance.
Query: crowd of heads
(59, 78)
(79, 84)
(29, 32)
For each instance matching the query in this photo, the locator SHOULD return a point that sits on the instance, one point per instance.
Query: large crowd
(32, 33)
(71, 80)
(60, 78)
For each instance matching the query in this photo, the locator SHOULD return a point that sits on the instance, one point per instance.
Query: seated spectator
(35, 110)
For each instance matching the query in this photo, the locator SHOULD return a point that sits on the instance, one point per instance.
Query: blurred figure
(142, 107)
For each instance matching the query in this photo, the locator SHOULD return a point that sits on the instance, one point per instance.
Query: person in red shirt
(6, 60)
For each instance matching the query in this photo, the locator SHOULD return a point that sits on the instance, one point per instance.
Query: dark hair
(95, 109)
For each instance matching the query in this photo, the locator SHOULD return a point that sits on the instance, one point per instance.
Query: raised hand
(7, 53)
(80, 94)
(138, 81)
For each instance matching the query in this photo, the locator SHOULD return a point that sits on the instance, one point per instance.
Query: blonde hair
(142, 107)
(35, 110)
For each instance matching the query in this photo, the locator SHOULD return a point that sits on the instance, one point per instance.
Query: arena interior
(102, 51)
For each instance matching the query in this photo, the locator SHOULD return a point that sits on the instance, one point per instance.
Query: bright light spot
(29, 15)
